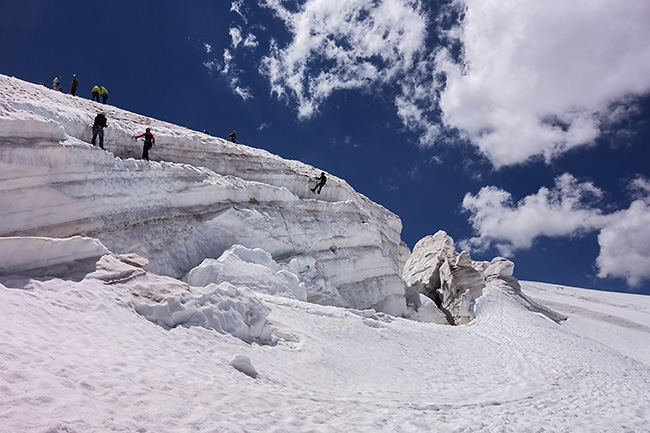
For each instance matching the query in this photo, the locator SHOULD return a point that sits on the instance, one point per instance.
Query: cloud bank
(625, 241)
(568, 209)
(518, 79)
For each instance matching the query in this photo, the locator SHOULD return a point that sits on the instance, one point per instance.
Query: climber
(149, 142)
(322, 180)
(74, 85)
(98, 129)
(104, 94)
(95, 93)
(233, 136)
(56, 83)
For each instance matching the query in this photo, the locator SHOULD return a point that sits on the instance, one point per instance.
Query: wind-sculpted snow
(199, 196)
(35, 255)
(163, 300)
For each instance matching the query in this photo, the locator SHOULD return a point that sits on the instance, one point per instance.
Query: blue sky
(520, 129)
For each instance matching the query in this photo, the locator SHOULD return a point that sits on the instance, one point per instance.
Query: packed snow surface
(208, 291)
(81, 356)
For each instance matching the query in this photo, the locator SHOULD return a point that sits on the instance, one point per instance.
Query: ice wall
(198, 197)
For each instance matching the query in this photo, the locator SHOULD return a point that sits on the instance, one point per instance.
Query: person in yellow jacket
(95, 93)
(104, 94)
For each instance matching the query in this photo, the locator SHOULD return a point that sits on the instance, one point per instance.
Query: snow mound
(162, 300)
(243, 363)
(252, 268)
(223, 308)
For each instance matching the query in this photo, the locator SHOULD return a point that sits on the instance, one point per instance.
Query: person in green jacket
(74, 85)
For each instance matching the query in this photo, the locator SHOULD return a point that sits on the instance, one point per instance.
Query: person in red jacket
(149, 142)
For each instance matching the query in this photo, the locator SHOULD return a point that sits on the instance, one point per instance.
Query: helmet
(148, 129)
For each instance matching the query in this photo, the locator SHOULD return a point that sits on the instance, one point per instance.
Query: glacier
(210, 290)
(198, 197)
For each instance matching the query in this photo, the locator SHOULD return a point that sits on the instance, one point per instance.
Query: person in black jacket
(149, 142)
(98, 129)
(321, 182)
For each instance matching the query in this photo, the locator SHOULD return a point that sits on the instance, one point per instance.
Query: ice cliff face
(212, 213)
(199, 197)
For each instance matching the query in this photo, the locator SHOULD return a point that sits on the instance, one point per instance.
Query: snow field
(78, 358)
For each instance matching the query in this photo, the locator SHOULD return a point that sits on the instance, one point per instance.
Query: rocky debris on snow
(453, 281)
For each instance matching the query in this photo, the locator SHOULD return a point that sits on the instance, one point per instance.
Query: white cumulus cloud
(235, 35)
(517, 79)
(540, 78)
(500, 222)
(625, 241)
(568, 209)
(237, 7)
(342, 44)
(250, 41)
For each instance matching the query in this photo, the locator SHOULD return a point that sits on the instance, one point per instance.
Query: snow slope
(618, 320)
(77, 356)
(98, 333)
